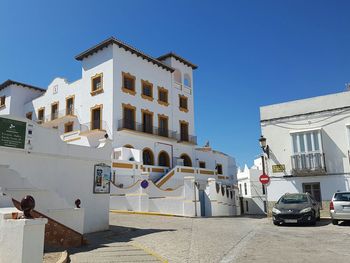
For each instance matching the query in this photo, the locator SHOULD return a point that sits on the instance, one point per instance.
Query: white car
(340, 207)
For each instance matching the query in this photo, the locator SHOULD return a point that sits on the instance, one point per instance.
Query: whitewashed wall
(63, 169)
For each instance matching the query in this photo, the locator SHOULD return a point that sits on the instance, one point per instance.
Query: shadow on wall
(333, 155)
(276, 161)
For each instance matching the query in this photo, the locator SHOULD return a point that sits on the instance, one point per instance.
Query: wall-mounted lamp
(264, 147)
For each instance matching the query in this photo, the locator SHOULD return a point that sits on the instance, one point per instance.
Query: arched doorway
(187, 160)
(163, 159)
(148, 157)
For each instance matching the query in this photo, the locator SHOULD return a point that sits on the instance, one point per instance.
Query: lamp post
(266, 150)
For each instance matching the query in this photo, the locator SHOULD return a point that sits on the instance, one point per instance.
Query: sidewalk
(112, 246)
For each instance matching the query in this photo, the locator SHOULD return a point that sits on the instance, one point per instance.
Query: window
(240, 189)
(245, 189)
(183, 103)
(147, 90)
(129, 116)
(70, 105)
(177, 76)
(246, 206)
(148, 158)
(54, 111)
(307, 152)
(201, 164)
(29, 115)
(96, 118)
(163, 159)
(306, 142)
(41, 115)
(163, 125)
(187, 80)
(263, 189)
(163, 96)
(147, 121)
(68, 127)
(187, 160)
(219, 168)
(314, 189)
(2, 101)
(128, 83)
(96, 84)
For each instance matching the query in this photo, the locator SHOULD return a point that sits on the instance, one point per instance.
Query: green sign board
(12, 133)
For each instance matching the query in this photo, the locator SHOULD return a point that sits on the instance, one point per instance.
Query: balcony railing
(308, 163)
(140, 127)
(56, 115)
(94, 126)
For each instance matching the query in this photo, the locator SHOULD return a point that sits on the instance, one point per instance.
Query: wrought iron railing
(94, 125)
(141, 127)
(56, 115)
(305, 163)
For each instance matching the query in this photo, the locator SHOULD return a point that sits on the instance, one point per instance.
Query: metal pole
(195, 199)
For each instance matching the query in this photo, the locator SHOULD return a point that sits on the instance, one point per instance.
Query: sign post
(264, 179)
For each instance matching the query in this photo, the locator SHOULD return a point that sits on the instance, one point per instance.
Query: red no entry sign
(264, 179)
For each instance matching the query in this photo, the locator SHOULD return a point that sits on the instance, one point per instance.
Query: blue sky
(250, 53)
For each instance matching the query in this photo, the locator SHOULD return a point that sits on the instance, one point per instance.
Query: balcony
(94, 127)
(305, 164)
(57, 117)
(140, 127)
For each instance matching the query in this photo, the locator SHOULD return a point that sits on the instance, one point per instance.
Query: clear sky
(250, 53)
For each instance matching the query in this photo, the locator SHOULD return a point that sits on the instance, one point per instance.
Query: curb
(142, 213)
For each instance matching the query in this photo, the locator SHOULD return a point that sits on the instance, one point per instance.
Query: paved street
(141, 238)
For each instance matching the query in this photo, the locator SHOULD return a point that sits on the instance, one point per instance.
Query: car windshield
(342, 197)
(293, 199)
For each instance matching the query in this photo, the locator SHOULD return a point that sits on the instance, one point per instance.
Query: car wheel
(319, 216)
(275, 223)
(335, 222)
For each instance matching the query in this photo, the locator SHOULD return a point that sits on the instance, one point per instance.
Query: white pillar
(21, 240)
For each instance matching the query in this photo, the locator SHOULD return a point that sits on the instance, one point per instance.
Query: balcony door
(54, 111)
(96, 118)
(147, 122)
(70, 106)
(184, 131)
(129, 118)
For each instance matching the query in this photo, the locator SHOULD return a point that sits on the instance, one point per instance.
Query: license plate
(290, 221)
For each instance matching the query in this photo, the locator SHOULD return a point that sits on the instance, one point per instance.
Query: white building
(308, 146)
(251, 192)
(139, 102)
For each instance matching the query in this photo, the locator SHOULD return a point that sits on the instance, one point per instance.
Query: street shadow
(115, 234)
(344, 223)
(321, 223)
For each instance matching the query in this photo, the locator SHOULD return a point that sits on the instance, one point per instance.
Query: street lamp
(264, 147)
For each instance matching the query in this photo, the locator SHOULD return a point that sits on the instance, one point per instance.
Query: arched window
(177, 76)
(187, 160)
(148, 157)
(187, 80)
(163, 159)
(128, 146)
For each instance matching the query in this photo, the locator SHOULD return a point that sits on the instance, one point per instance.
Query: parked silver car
(340, 207)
